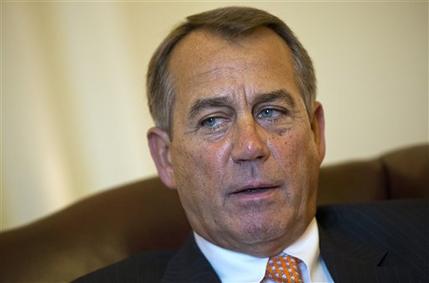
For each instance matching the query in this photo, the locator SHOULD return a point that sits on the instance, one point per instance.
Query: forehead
(207, 64)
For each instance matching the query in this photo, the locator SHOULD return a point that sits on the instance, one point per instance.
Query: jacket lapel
(352, 264)
(353, 251)
(189, 265)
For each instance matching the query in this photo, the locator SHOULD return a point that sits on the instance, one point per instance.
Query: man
(240, 135)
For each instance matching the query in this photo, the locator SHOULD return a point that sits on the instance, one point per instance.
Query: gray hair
(231, 23)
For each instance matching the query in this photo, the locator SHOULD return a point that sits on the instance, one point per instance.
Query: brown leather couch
(111, 225)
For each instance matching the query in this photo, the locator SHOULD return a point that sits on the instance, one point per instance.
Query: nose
(249, 143)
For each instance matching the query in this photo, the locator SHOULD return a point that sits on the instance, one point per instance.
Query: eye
(212, 122)
(269, 113)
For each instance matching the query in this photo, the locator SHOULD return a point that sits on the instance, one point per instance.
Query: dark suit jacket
(380, 242)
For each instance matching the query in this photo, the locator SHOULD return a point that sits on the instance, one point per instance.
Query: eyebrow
(280, 94)
(201, 104)
(226, 101)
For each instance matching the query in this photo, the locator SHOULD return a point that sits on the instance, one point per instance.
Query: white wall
(74, 113)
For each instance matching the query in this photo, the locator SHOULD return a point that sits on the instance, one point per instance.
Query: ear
(318, 128)
(159, 144)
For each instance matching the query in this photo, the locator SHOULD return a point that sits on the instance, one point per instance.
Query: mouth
(254, 190)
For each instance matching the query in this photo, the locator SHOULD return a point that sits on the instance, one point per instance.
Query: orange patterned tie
(283, 269)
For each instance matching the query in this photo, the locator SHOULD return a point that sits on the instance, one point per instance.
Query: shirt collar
(306, 248)
(232, 266)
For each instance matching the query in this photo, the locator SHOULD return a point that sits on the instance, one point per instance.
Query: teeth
(254, 190)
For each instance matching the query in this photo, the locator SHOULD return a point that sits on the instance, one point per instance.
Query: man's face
(243, 153)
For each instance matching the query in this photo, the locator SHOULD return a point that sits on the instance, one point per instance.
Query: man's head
(244, 138)
(231, 23)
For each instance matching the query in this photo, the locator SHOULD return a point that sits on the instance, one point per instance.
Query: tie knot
(283, 269)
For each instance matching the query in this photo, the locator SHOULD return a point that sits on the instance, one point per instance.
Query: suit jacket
(379, 242)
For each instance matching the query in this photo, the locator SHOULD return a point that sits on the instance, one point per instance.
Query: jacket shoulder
(388, 238)
(143, 267)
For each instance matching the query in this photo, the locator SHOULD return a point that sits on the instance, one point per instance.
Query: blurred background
(73, 106)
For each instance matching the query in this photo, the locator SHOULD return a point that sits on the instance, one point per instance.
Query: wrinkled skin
(243, 153)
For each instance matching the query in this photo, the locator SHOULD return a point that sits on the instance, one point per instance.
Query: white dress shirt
(234, 267)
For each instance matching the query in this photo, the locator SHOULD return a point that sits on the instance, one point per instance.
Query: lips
(255, 189)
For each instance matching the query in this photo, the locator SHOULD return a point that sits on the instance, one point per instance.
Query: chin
(260, 241)
(271, 229)
(254, 232)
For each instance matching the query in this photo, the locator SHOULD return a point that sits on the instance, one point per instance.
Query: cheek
(199, 180)
(284, 149)
(294, 152)
(197, 164)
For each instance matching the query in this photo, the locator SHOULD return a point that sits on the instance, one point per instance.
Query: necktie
(283, 269)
